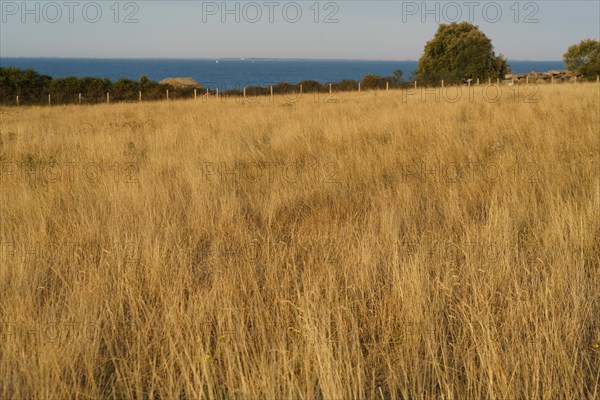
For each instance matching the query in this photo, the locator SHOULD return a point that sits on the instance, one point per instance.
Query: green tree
(460, 50)
(584, 58)
(144, 81)
(346, 85)
(64, 90)
(125, 89)
(372, 82)
(284, 87)
(398, 76)
(310, 86)
(28, 84)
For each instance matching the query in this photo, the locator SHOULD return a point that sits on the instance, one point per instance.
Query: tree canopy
(460, 50)
(33, 88)
(584, 58)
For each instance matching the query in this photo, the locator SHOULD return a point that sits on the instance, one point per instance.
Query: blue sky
(389, 30)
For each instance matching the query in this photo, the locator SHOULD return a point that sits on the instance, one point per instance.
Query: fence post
(49, 100)
(17, 100)
(359, 86)
(244, 92)
(598, 78)
(489, 81)
(330, 91)
(300, 88)
(167, 94)
(79, 98)
(527, 79)
(107, 97)
(477, 81)
(442, 83)
(271, 94)
(217, 92)
(140, 95)
(552, 79)
(415, 85)
(195, 94)
(497, 81)
(387, 86)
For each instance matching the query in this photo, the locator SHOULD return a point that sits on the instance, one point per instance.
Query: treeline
(33, 88)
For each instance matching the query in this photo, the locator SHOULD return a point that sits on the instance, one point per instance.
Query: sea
(232, 73)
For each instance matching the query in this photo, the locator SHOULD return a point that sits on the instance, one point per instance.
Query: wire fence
(291, 92)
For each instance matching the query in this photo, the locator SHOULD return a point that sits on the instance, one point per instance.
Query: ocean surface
(232, 73)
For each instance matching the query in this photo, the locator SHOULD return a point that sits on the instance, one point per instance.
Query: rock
(535, 76)
(181, 83)
(515, 76)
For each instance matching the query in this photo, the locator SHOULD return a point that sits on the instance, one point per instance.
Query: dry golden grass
(372, 248)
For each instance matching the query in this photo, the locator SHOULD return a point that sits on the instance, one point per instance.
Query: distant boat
(217, 61)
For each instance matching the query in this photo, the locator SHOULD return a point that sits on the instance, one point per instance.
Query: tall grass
(373, 246)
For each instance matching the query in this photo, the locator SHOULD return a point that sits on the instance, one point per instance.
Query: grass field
(364, 245)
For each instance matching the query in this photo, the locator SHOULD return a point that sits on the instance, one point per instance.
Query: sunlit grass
(364, 245)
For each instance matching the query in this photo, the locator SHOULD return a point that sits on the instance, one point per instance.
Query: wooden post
(244, 92)
(527, 79)
(442, 83)
(167, 94)
(49, 100)
(140, 96)
(387, 86)
(497, 81)
(195, 93)
(107, 98)
(598, 78)
(477, 81)
(79, 98)
(552, 79)
(300, 88)
(217, 93)
(17, 100)
(489, 81)
(468, 83)
(359, 86)
(330, 91)
(415, 85)
(271, 93)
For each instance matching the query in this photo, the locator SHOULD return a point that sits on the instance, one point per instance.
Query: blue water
(234, 73)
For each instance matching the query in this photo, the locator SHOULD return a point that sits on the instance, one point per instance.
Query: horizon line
(239, 59)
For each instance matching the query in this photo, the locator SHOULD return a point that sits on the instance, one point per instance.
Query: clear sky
(388, 30)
